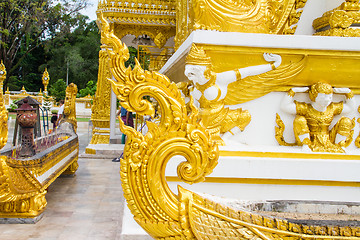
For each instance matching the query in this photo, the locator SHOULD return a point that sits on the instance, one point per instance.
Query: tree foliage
(26, 24)
(76, 54)
(90, 89)
(58, 90)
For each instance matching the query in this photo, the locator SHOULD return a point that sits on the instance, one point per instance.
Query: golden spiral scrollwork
(153, 204)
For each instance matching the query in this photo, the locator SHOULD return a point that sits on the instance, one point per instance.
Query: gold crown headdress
(197, 56)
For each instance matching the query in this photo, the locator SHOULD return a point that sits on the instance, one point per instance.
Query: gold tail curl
(149, 198)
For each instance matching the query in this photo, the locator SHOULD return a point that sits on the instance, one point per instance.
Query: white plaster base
(131, 230)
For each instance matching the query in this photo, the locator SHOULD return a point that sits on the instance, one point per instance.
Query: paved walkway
(86, 206)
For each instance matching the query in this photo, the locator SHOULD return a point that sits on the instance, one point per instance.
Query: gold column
(100, 116)
(3, 111)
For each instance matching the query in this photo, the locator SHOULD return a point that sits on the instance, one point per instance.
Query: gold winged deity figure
(213, 91)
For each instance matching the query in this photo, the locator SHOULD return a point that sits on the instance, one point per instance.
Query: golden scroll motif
(312, 121)
(149, 198)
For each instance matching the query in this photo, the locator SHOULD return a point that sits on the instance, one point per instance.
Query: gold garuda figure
(312, 121)
(212, 92)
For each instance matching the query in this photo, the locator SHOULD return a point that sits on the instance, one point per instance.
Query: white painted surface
(129, 226)
(56, 167)
(263, 41)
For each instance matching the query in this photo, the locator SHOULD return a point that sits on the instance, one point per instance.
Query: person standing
(60, 112)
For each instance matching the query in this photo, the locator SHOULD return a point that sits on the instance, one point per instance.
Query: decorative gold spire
(197, 56)
(45, 80)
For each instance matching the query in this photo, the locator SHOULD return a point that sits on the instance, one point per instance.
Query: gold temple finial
(2, 71)
(45, 80)
(197, 56)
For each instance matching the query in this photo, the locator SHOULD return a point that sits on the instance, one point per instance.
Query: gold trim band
(273, 181)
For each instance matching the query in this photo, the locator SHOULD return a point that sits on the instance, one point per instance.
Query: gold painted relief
(255, 16)
(340, 22)
(312, 121)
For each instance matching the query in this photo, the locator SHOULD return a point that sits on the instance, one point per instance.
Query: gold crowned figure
(210, 93)
(312, 121)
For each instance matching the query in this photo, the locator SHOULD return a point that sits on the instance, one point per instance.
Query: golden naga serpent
(163, 214)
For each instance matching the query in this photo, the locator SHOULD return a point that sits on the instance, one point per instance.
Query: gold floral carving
(3, 111)
(339, 21)
(149, 198)
(70, 105)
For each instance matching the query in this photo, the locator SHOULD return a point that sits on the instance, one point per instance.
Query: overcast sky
(91, 10)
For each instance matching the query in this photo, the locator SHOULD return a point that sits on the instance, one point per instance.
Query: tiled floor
(86, 206)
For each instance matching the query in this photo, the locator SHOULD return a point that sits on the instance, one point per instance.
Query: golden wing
(253, 87)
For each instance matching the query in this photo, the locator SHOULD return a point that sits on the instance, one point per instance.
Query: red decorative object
(26, 117)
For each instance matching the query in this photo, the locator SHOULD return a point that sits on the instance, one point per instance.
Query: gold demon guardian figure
(313, 120)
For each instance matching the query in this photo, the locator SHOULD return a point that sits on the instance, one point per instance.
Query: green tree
(76, 54)
(58, 89)
(26, 24)
(89, 89)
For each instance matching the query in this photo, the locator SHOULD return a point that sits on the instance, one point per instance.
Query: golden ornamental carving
(22, 195)
(312, 121)
(45, 80)
(149, 198)
(357, 140)
(259, 16)
(187, 215)
(70, 105)
(239, 86)
(3, 111)
(339, 21)
(100, 110)
(203, 218)
(159, 34)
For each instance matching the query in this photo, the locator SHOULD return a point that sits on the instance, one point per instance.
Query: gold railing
(153, 58)
(153, 7)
